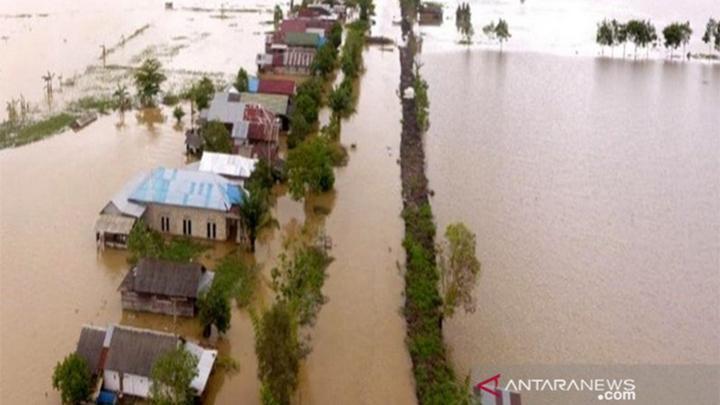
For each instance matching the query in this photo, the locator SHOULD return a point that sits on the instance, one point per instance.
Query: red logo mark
(495, 380)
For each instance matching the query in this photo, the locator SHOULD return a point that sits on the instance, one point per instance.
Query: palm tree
(122, 98)
(255, 214)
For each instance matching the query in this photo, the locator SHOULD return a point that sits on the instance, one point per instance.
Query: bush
(309, 168)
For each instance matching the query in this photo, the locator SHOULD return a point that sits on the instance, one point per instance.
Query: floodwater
(52, 278)
(593, 186)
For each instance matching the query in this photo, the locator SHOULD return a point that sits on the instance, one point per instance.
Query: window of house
(187, 226)
(211, 230)
(165, 224)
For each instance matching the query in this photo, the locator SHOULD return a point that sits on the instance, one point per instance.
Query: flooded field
(597, 210)
(593, 187)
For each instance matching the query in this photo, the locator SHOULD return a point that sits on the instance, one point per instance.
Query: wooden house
(164, 287)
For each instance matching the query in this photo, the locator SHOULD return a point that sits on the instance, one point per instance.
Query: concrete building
(190, 203)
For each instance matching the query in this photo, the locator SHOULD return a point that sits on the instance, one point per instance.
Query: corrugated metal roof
(276, 86)
(188, 188)
(120, 204)
(116, 224)
(227, 165)
(206, 360)
(223, 110)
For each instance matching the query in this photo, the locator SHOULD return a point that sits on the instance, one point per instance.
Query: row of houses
(201, 200)
(291, 48)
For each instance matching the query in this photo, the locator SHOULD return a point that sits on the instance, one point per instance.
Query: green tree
(298, 282)
(202, 92)
(255, 214)
(241, 80)
(214, 306)
(73, 379)
(459, 268)
(171, 376)
(122, 98)
(463, 23)
(367, 9)
(711, 28)
(641, 33)
(620, 34)
(299, 129)
(148, 78)
(676, 34)
(325, 60)
(217, 137)
(335, 35)
(178, 113)
(309, 168)
(502, 32)
(605, 35)
(263, 176)
(308, 107)
(278, 351)
(341, 98)
(277, 16)
(489, 30)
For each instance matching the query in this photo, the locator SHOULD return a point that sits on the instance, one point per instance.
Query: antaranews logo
(604, 389)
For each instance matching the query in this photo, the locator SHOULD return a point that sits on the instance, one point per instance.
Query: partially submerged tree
(255, 213)
(178, 113)
(325, 60)
(309, 168)
(340, 99)
(605, 35)
(676, 34)
(459, 268)
(241, 80)
(73, 379)
(121, 97)
(214, 305)
(502, 32)
(463, 23)
(620, 34)
(216, 137)
(171, 376)
(148, 78)
(641, 33)
(278, 351)
(712, 34)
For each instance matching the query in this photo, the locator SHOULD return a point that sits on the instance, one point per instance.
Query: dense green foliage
(216, 137)
(712, 34)
(278, 351)
(459, 268)
(122, 99)
(73, 379)
(148, 78)
(340, 100)
(606, 35)
(325, 60)
(676, 34)
(236, 279)
(335, 35)
(171, 376)
(640, 33)
(264, 176)
(298, 282)
(463, 22)
(145, 242)
(422, 101)
(214, 307)
(178, 113)
(201, 92)
(351, 57)
(255, 213)
(310, 168)
(241, 80)
(435, 380)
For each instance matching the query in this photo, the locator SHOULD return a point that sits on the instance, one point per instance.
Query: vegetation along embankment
(438, 278)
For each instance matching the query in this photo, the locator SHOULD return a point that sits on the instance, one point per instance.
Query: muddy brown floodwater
(53, 280)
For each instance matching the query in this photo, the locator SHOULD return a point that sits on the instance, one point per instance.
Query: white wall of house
(132, 384)
(198, 218)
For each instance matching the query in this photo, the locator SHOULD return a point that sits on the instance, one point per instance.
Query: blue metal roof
(188, 188)
(253, 84)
